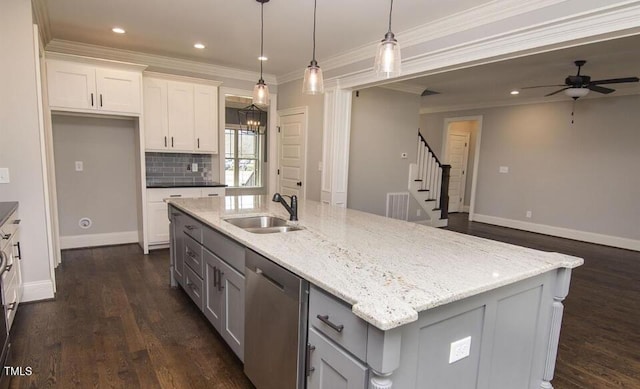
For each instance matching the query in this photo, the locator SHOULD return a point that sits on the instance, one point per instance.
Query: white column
(335, 146)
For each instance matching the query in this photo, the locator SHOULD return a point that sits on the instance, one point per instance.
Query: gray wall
(581, 176)
(384, 124)
(20, 138)
(106, 190)
(290, 96)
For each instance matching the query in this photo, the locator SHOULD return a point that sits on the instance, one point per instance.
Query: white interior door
(457, 157)
(291, 154)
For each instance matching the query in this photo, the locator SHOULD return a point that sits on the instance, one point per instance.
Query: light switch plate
(4, 175)
(504, 169)
(79, 166)
(460, 349)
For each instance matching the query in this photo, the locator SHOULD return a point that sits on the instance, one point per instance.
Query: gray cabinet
(224, 301)
(177, 238)
(329, 366)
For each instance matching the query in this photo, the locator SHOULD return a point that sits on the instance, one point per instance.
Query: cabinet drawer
(193, 228)
(334, 319)
(193, 286)
(193, 256)
(159, 194)
(8, 229)
(213, 192)
(225, 248)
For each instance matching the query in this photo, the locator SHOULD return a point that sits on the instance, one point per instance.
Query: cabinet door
(178, 246)
(71, 85)
(213, 295)
(17, 262)
(232, 288)
(332, 366)
(158, 224)
(180, 111)
(156, 127)
(118, 90)
(206, 118)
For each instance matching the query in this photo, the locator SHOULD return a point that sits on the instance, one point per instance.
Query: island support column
(560, 293)
(383, 356)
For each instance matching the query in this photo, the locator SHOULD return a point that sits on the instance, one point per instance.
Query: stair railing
(434, 176)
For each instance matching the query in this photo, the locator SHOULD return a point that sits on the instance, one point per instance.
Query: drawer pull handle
(6, 237)
(325, 320)
(191, 255)
(190, 227)
(220, 286)
(19, 251)
(175, 195)
(310, 369)
(16, 222)
(8, 268)
(212, 194)
(12, 306)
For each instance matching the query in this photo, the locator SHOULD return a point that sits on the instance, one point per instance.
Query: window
(243, 162)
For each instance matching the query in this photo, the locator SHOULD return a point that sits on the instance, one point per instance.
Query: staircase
(429, 184)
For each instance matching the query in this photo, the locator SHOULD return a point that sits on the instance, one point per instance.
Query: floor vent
(398, 205)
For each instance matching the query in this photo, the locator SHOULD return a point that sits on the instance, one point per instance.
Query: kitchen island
(437, 308)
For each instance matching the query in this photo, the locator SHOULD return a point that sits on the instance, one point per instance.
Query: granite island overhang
(406, 280)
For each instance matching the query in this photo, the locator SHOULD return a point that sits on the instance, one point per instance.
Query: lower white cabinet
(157, 221)
(329, 366)
(224, 301)
(12, 276)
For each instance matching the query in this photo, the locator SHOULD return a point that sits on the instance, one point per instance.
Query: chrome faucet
(293, 209)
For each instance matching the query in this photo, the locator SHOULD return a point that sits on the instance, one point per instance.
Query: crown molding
(41, 17)
(517, 102)
(591, 26)
(94, 61)
(484, 14)
(155, 61)
(173, 77)
(404, 87)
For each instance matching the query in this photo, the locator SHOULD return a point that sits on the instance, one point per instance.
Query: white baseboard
(591, 237)
(465, 208)
(93, 240)
(39, 290)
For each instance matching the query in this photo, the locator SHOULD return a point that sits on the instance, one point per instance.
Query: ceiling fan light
(388, 59)
(313, 83)
(576, 92)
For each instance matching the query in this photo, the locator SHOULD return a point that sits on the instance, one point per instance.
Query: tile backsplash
(174, 168)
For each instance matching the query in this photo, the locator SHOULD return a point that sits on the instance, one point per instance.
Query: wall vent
(398, 205)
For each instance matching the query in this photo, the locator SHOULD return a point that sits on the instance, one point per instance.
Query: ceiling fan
(579, 85)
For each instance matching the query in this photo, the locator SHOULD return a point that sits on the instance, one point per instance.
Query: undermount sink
(262, 224)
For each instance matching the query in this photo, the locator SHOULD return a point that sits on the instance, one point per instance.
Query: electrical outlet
(460, 349)
(504, 169)
(194, 167)
(528, 214)
(4, 175)
(403, 155)
(79, 166)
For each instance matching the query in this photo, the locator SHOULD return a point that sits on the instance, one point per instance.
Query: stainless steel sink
(262, 224)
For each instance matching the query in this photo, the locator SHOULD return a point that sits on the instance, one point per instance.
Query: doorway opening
(461, 150)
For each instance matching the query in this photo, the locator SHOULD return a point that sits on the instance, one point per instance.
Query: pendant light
(261, 90)
(313, 83)
(387, 62)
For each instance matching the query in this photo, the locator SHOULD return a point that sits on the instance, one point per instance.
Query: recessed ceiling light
(262, 58)
(199, 46)
(118, 30)
(515, 92)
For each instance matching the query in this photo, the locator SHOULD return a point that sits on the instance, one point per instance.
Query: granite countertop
(187, 185)
(6, 209)
(389, 270)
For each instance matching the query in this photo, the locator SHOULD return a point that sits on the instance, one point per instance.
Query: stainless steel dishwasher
(276, 314)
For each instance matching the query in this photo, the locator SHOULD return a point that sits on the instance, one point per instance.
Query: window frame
(236, 158)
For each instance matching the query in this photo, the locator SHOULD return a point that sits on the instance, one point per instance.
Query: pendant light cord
(390, 10)
(261, 36)
(315, 3)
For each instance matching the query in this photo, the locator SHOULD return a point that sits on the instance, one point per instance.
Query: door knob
(299, 183)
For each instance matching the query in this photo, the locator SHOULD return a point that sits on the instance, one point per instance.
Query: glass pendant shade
(313, 83)
(576, 93)
(261, 93)
(387, 63)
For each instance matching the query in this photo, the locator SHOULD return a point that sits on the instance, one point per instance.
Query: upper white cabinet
(180, 114)
(109, 88)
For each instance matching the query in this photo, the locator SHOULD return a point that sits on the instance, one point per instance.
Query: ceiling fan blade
(615, 81)
(558, 91)
(541, 86)
(601, 89)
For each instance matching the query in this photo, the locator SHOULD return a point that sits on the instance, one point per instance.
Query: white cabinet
(157, 228)
(12, 276)
(180, 116)
(206, 118)
(83, 87)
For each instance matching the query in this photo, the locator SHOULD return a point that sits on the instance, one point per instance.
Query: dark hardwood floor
(600, 336)
(116, 323)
